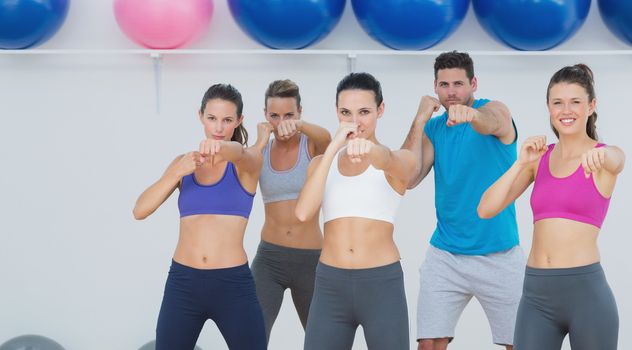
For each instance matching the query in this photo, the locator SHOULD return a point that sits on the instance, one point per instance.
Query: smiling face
(359, 106)
(453, 87)
(279, 109)
(220, 119)
(569, 108)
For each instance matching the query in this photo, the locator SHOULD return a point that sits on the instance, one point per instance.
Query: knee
(426, 344)
(433, 344)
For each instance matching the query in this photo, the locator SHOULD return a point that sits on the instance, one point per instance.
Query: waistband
(176, 266)
(367, 273)
(267, 246)
(579, 270)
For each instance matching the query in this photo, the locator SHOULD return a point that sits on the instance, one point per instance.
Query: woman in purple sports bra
(565, 290)
(209, 276)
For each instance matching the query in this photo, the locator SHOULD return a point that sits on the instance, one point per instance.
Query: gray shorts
(448, 282)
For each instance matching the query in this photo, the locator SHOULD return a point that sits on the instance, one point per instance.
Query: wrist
(173, 175)
(421, 119)
(520, 165)
(331, 150)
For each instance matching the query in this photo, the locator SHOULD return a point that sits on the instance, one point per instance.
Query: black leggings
(575, 301)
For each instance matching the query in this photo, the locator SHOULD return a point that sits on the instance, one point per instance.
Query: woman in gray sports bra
(289, 249)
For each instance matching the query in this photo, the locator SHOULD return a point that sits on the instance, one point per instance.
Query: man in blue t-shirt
(470, 146)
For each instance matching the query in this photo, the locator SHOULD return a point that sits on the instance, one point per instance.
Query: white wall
(80, 139)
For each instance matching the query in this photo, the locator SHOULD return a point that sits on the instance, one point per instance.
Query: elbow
(412, 183)
(484, 212)
(301, 215)
(138, 214)
(622, 162)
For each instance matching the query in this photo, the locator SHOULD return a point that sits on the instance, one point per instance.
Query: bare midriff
(563, 243)
(211, 241)
(358, 243)
(282, 228)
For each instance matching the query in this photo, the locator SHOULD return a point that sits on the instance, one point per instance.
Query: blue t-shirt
(466, 163)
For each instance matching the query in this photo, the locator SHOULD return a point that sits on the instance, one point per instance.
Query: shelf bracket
(351, 62)
(157, 60)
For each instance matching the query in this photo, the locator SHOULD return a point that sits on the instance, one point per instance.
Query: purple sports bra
(225, 197)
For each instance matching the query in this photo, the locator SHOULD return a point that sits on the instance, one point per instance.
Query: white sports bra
(366, 195)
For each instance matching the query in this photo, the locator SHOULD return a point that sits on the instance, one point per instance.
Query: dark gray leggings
(575, 301)
(345, 298)
(276, 268)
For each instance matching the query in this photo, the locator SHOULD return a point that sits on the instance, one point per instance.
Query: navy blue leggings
(227, 296)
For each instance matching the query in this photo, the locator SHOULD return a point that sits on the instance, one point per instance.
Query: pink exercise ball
(163, 24)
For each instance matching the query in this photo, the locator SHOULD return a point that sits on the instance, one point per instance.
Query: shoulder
(436, 121)
(405, 154)
(491, 104)
(480, 102)
(305, 140)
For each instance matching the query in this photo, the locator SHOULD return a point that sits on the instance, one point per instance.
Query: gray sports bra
(284, 185)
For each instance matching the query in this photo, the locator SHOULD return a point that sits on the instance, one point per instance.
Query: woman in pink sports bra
(565, 290)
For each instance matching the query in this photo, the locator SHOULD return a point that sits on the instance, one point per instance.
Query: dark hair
(454, 59)
(228, 93)
(360, 81)
(581, 75)
(283, 88)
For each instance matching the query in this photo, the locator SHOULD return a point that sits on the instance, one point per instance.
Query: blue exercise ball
(531, 24)
(410, 24)
(26, 23)
(152, 346)
(287, 24)
(31, 342)
(617, 14)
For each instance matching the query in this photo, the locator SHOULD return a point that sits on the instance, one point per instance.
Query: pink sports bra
(574, 197)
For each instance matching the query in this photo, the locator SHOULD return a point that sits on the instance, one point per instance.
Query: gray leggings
(276, 268)
(575, 301)
(346, 298)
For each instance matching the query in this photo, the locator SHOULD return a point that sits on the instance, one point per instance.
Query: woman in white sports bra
(359, 280)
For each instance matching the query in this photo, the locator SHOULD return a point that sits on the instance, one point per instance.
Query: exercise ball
(31, 342)
(617, 14)
(531, 24)
(163, 24)
(152, 346)
(287, 24)
(410, 24)
(26, 23)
